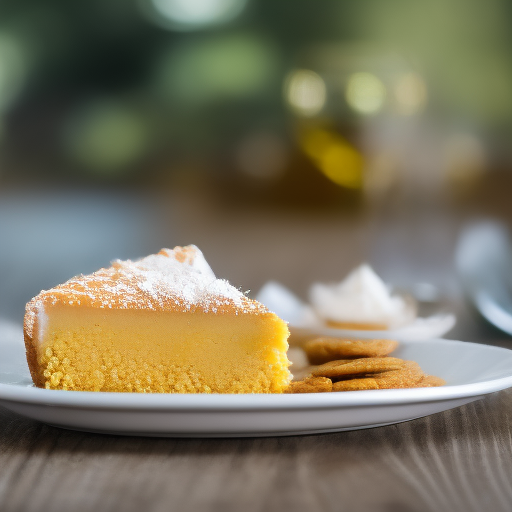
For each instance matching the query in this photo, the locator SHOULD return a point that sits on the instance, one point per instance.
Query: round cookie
(363, 366)
(323, 350)
(409, 376)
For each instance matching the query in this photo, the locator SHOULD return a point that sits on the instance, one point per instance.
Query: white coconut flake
(183, 273)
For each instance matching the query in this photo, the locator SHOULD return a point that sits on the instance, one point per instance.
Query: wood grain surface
(458, 460)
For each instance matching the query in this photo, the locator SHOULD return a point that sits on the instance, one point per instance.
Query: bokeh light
(106, 137)
(335, 157)
(365, 93)
(192, 14)
(410, 94)
(305, 92)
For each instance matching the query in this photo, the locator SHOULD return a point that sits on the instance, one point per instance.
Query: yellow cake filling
(91, 349)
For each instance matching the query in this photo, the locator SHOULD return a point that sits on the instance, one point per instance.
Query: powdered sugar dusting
(178, 279)
(181, 272)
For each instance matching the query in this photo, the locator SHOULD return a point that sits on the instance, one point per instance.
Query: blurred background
(289, 140)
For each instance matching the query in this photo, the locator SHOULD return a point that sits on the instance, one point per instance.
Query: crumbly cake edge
(29, 328)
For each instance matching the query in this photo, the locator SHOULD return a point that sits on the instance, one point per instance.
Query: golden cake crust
(28, 336)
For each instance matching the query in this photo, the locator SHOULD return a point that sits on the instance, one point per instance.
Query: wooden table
(458, 460)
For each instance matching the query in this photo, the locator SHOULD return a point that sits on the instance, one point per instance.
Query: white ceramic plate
(471, 371)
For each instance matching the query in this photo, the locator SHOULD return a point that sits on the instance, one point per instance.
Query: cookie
(366, 365)
(323, 350)
(310, 385)
(409, 376)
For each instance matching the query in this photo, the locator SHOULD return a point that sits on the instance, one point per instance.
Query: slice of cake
(161, 324)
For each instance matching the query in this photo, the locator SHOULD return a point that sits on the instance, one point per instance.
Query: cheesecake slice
(163, 324)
